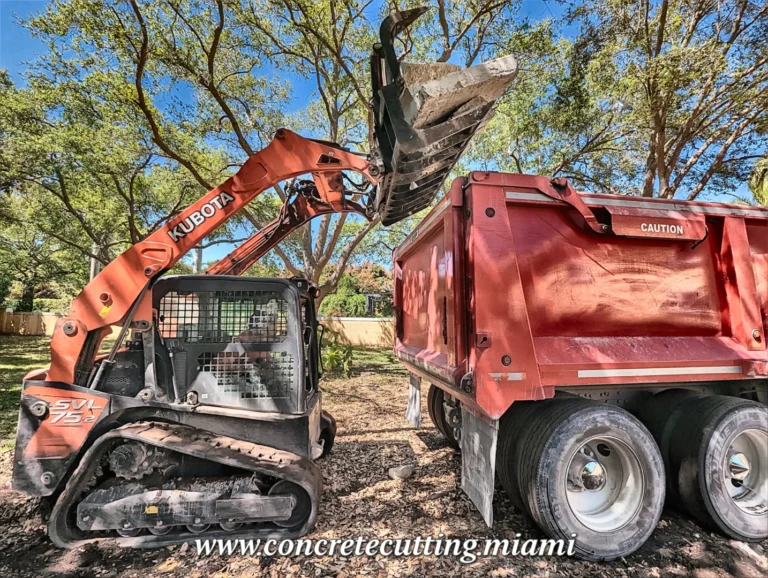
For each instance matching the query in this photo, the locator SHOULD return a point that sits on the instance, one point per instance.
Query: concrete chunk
(418, 73)
(436, 100)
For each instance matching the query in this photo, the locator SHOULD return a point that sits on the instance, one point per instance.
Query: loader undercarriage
(260, 492)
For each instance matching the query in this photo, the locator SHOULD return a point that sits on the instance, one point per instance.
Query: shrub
(336, 356)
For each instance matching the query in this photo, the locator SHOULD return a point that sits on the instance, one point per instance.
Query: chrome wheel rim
(604, 484)
(745, 470)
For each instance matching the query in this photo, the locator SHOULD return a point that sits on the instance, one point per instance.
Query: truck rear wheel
(660, 414)
(592, 472)
(511, 429)
(719, 457)
(435, 399)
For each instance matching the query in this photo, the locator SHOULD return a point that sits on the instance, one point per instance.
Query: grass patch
(19, 355)
(380, 360)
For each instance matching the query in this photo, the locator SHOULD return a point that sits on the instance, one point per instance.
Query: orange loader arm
(119, 294)
(295, 213)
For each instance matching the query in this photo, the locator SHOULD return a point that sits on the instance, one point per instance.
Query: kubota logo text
(197, 218)
(74, 411)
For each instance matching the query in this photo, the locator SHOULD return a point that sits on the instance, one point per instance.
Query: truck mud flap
(478, 461)
(413, 411)
(424, 119)
(201, 444)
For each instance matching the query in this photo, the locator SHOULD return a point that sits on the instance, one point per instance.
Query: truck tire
(512, 428)
(592, 473)
(660, 414)
(435, 399)
(719, 456)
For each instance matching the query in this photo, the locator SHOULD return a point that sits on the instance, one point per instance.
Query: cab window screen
(224, 316)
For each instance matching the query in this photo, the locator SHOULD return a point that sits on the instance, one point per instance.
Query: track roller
(197, 528)
(301, 508)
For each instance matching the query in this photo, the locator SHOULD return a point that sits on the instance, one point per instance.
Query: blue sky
(17, 47)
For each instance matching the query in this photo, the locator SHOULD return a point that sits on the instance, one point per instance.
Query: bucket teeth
(424, 118)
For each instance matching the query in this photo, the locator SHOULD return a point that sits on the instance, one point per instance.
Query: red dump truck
(594, 353)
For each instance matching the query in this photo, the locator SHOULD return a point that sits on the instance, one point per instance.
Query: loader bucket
(424, 118)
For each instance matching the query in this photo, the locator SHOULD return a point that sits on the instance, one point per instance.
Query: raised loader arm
(422, 125)
(118, 295)
(306, 204)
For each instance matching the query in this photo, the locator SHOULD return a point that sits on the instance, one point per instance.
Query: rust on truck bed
(515, 285)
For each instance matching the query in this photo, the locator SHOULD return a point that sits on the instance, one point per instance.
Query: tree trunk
(27, 300)
(197, 260)
(94, 269)
(650, 171)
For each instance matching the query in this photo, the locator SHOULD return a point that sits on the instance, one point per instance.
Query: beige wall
(354, 331)
(28, 323)
(362, 331)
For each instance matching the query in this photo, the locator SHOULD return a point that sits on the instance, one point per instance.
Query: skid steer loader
(205, 416)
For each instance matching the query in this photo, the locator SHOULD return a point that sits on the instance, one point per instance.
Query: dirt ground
(360, 499)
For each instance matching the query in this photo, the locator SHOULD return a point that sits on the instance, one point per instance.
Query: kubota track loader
(205, 415)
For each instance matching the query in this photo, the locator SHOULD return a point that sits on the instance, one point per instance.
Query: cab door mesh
(237, 346)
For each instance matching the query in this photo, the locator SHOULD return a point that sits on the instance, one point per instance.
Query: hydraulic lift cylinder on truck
(591, 350)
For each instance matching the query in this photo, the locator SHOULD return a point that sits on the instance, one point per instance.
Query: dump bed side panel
(650, 293)
(757, 232)
(658, 292)
(578, 284)
(430, 298)
(424, 297)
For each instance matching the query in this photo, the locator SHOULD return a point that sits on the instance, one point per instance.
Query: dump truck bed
(511, 288)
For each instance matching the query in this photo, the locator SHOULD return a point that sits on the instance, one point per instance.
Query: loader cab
(247, 343)
(234, 342)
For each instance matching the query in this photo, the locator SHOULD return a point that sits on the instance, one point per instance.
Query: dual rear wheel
(715, 450)
(580, 467)
(594, 470)
(582, 470)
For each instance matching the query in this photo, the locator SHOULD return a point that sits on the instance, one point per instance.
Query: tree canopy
(136, 108)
